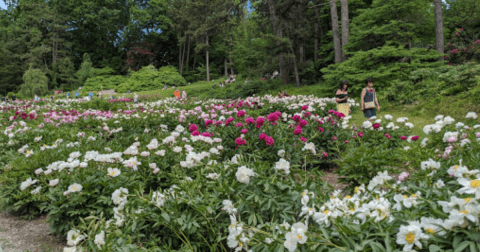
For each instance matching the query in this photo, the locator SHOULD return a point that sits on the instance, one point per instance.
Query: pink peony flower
(387, 136)
(376, 125)
(244, 131)
(238, 125)
(325, 154)
(273, 117)
(206, 134)
(414, 138)
(403, 176)
(192, 128)
(303, 123)
(334, 138)
(303, 139)
(360, 134)
(208, 122)
(403, 138)
(297, 118)
(321, 129)
(305, 107)
(346, 141)
(195, 133)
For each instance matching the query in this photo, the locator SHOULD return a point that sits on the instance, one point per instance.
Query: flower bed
(242, 175)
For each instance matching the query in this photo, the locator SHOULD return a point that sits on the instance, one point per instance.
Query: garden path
(18, 235)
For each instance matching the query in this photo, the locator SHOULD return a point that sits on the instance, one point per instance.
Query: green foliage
(104, 82)
(85, 71)
(149, 78)
(384, 65)
(430, 82)
(35, 82)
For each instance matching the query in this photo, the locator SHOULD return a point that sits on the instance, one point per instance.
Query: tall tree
(345, 27)
(336, 32)
(440, 41)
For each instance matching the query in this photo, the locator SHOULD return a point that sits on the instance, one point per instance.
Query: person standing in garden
(14, 98)
(184, 94)
(76, 95)
(91, 95)
(369, 100)
(342, 98)
(68, 95)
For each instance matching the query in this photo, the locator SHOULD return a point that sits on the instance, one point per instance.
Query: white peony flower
(409, 236)
(75, 188)
(113, 172)
(284, 165)
(74, 237)
(100, 239)
(243, 174)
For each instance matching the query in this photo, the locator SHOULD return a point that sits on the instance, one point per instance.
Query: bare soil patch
(18, 235)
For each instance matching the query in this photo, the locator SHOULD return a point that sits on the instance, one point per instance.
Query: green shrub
(383, 64)
(104, 82)
(149, 78)
(35, 82)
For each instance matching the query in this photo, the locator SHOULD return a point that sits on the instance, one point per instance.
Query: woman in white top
(184, 94)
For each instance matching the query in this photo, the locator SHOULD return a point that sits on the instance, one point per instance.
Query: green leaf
(461, 246)
(166, 217)
(433, 248)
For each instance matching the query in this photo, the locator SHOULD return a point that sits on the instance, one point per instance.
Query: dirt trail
(22, 235)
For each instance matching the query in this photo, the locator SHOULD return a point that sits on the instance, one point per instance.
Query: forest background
(59, 44)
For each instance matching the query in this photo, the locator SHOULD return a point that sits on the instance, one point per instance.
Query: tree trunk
(180, 58)
(206, 57)
(105, 45)
(336, 32)
(226, 67)
(440, 43)
(295, 69)
(315, 50)
(188, 53)
(277, 27)
(183, 57)
(345, 27)
(301, 53)
(231, 52)
(194, 61)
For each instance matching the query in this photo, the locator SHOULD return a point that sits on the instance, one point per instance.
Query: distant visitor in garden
(342, 98)
(369, 100)
(14, 98)
(68, 95)
(184, 94)
(177, 94)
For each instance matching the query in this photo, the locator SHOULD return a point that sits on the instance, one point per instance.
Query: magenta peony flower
(262, 136)
(240, 141)
(297, 118)
(376, 125)
(229, 120)
(414, 138)
(269, 141)
(241, 113)
(303, 123)
(331, 111)
(195, 133)
(325, 154)
(206, 134)
(250, 120)
(297, 131)
(244, 131)
(305, 107)
(403, 138)
(208, 122)
(360, 134)
(387, 136)
(303, 139)
(346, 141)
(260, 121)
(321, 129)
(273, 117)
(238, 125)
(334, 138)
